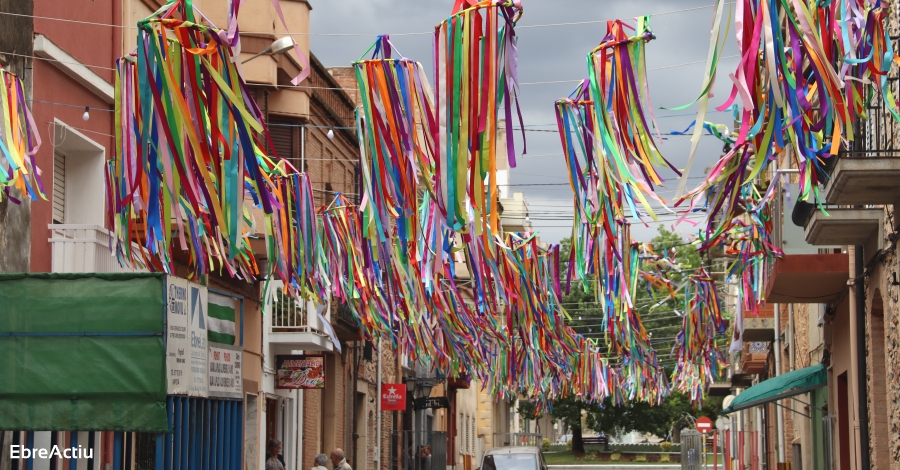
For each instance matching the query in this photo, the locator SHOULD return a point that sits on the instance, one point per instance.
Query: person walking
(339, 461)
(427, 458)
(275, 460)
(320, 462)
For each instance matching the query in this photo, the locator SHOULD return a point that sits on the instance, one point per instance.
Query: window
(59, 188)
(510, 462)
(285, 136)
(79, 165)
(468, 440)
(474, 438)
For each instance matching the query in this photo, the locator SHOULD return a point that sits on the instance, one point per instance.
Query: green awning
(82, 352)
(784, 386)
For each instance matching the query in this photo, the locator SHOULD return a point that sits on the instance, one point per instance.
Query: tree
(529, 411)
(569, 411)
(646, 419)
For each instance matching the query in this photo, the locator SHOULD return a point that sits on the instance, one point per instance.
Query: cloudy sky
(549, 52)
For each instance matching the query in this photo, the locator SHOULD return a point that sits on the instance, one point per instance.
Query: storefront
(122, 369)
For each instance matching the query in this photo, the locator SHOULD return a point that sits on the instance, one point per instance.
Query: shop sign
(198, 323)
(393, 397)
(178, 343)
(431, 402)
(300, 371)
(186, 344)
(225, 380)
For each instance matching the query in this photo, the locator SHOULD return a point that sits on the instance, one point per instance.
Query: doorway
(843, 422)
(361, 438)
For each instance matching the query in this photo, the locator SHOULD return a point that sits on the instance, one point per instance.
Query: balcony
(808, 278)
(514, 213)
(754, 357)
(85, 249)
(759, 327)
(845, 226)
(719, 389)
(293, 325)
(861, 180)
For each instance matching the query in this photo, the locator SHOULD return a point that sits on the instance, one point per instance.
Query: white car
(513, 458)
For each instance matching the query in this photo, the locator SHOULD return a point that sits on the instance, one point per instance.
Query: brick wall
(346, 76)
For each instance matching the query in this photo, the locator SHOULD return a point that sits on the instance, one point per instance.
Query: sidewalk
(616, 466)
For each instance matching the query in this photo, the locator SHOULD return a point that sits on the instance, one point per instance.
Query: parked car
(513, 458)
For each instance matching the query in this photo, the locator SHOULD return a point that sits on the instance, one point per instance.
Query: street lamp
(279, 46)
(421, 388)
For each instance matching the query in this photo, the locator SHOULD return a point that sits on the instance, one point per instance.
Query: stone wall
(883, 362)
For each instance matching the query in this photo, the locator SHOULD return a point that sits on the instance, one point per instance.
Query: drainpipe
(858, 321)
(378, 410)
(354, 433)
(779, 431)
(760, 441)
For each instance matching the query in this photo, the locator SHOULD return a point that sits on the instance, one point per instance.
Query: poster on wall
(304, 371)
(177, 342)
(197, 297)
(225, 380)
(393, 397)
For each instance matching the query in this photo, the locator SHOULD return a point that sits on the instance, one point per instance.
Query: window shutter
(285, 142)
(59, 188)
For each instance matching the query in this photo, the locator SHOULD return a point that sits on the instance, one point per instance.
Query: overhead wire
(367, 35)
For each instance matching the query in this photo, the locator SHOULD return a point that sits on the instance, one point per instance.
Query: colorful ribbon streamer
(19, 142)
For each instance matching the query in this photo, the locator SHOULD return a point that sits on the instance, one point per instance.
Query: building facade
(833, 299)
(310, 125)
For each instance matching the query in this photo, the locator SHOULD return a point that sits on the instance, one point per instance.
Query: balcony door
(78, 194)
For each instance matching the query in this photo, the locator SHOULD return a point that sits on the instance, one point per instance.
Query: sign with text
(177, 342)
(197, 296)
(186, 344)
(225, 379)
(431, 402)
(393, 397)
(303, 371)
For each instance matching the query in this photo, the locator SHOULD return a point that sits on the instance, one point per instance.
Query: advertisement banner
(305, 371)
(393, 397)
(199, 385)
(177, 343)
(225, 380)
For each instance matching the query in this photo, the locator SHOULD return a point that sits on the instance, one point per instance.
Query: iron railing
(878, 132)
(516, 439)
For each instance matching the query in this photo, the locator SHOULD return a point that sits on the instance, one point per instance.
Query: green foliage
(640, 458)
(646, 419)
(527, 410)
(568, 410)
(665, 446)
(545, 445)
(615, 457)
(569, 445)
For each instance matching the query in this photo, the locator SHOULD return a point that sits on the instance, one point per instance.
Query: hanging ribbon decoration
(19, 142)
(614, 176)
(396, 155)
(801, 83)
(699, 360)
(475, 62)
(187, 150)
